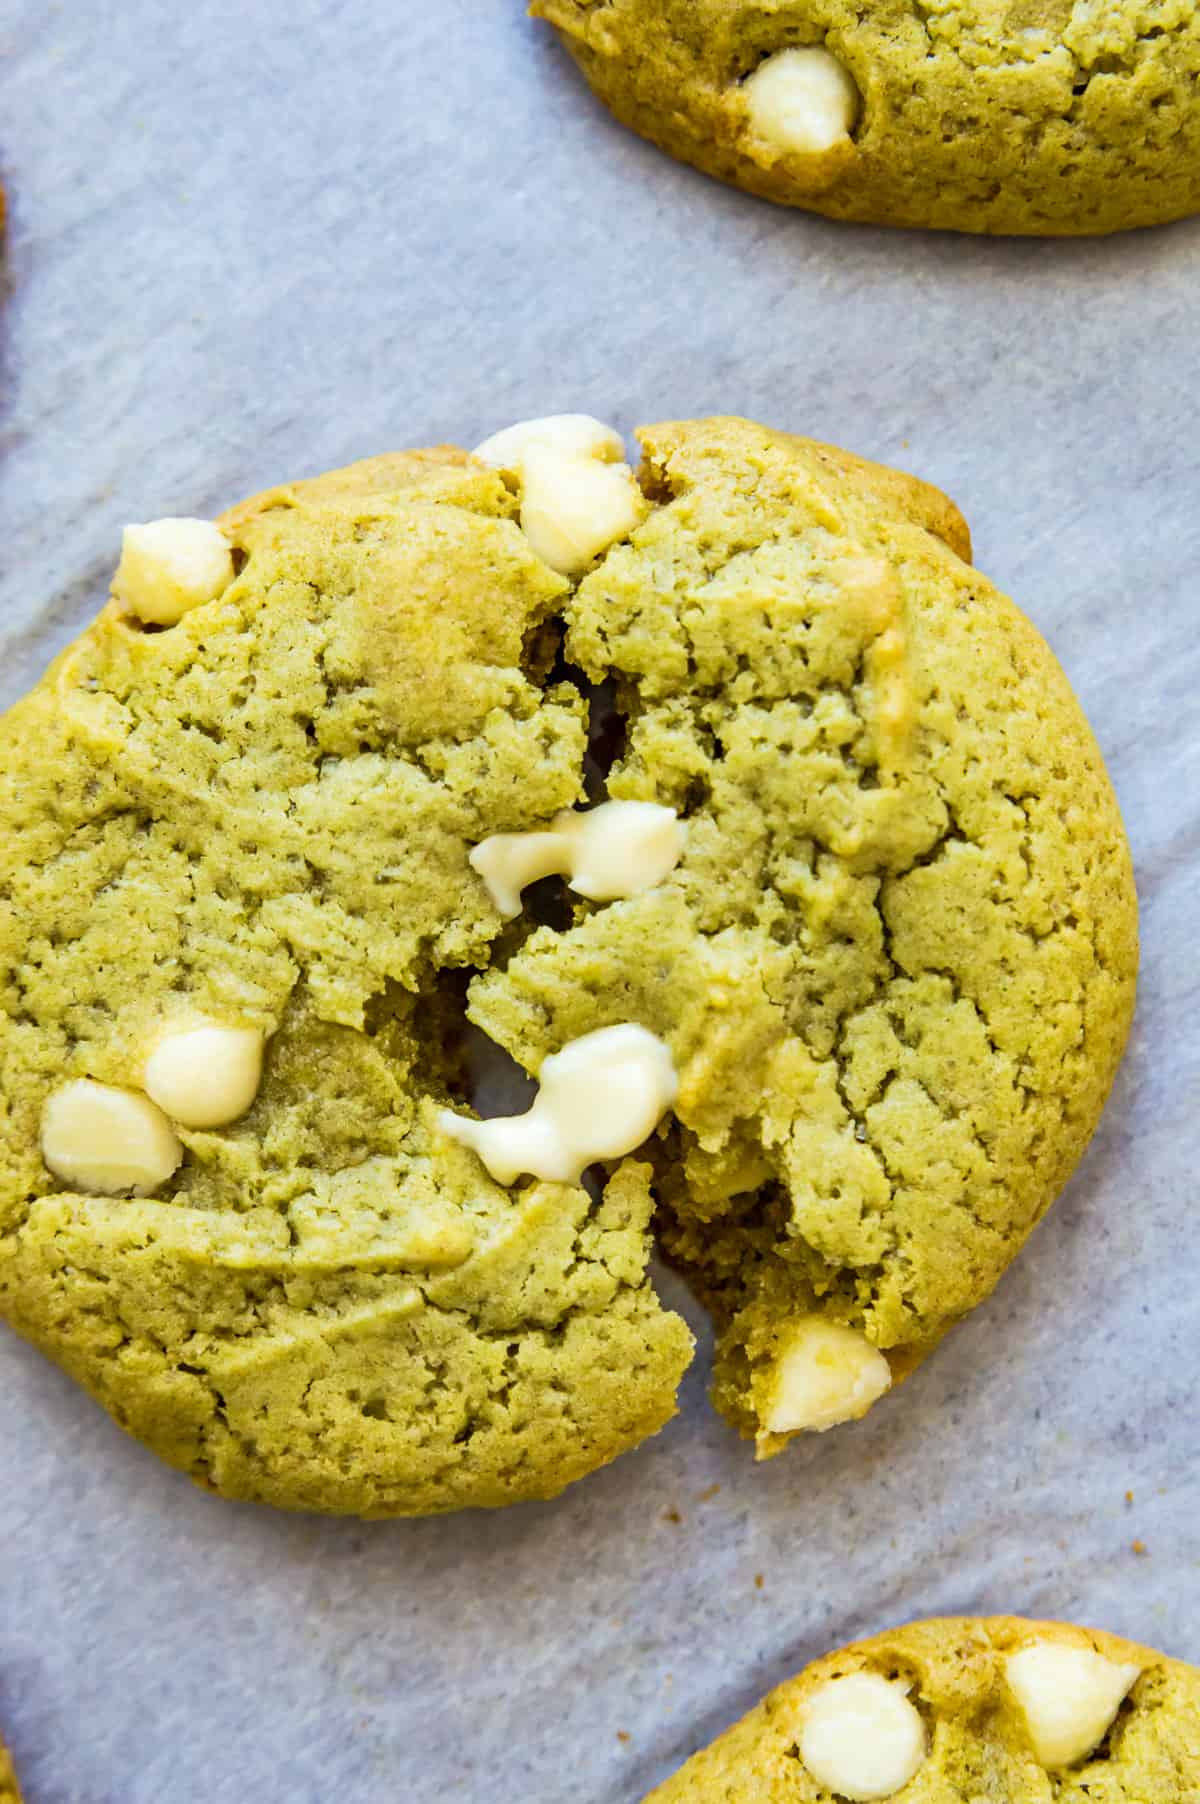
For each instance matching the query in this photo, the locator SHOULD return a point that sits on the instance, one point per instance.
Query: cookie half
(832, 982)
(961, 1709)
(986, 117)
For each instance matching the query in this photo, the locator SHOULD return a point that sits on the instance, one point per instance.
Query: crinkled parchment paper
(252, 239)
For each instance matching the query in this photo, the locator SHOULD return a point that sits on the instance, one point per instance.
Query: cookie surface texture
(978, 1734)
(893, 968)
(1012, 116)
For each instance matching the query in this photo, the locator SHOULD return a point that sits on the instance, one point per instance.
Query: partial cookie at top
(959, 1709)
(987, 117)
(857, 931)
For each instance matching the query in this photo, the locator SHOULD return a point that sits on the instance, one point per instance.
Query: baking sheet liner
(252, 239)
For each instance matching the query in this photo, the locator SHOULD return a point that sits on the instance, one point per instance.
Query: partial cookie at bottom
(973, 1741)
(10, 1791)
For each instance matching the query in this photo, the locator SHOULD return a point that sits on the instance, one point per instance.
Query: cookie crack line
(828, 1004)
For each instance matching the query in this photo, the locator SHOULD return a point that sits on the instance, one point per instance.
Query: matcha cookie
(10, 1792)
(839, 942)
(1030, 116)
(961, 1710)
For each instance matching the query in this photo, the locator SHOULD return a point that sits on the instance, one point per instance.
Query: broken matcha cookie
(962, 1709)
(840, 966)
(1026, 116)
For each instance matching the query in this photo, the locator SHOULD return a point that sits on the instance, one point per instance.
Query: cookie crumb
(623, 1735)
(672, 1515)
(1129, 1496)
(708, 1495)
(1139, 1547)
(759, 1581)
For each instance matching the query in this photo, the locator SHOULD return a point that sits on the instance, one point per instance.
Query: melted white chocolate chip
(104, 1140)
(825, 1373)
(578, 495)
(204, 1075)
(615, 850)
(1068, 1696)
(861, 1737)
(170, 566)
(802, 101)
(600, 1097)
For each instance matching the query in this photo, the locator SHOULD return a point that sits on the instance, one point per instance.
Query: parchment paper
(252, 239)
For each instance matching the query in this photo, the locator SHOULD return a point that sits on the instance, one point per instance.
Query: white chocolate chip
(623, 848)
(510, 862)
(860, 1736)
(826, 1373)
(170, 566)
(104, 1140)
(205, 1075)
(570, 434)
(572, 510)
(617, 849)
(601, 1096)
(1068, 1696)
(802, 101)
(577, 495)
